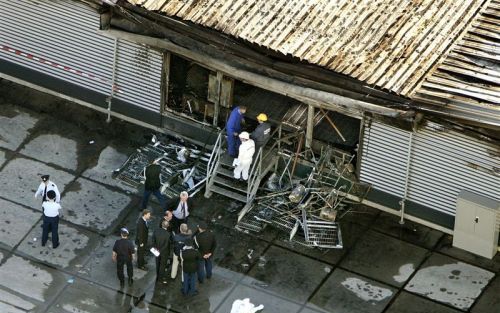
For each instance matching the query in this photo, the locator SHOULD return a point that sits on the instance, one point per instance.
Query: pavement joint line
(20, 295)
(476, 301)
(240, 280)
(429, 253)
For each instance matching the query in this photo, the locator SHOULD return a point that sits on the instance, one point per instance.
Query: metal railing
(213, 162)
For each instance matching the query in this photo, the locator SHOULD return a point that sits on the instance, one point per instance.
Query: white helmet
(244, 135)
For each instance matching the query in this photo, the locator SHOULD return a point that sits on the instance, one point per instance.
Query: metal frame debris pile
(307, 209)
(183, 166)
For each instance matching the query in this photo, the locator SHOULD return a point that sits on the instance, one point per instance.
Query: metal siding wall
(138, 75)
(384, 158)
(442, 164)
(57, 38)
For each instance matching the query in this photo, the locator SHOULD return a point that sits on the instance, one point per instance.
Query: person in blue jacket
(233, 128)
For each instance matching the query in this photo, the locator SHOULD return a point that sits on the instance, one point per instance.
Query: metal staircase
(220, 170)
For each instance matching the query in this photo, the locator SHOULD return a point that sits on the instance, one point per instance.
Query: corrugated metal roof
(470, 73)
(387, 43)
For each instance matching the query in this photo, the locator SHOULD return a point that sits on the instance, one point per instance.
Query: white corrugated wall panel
(138, 75)
(443, 162)
(58, 38)
(446, 162)
(384, 158)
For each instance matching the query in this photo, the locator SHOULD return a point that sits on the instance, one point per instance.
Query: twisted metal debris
(307, 209)
(183, 166)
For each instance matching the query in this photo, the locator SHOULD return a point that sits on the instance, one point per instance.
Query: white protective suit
(244, 160)
(245, 306)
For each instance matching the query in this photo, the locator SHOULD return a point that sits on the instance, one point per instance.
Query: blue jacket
(234, 122)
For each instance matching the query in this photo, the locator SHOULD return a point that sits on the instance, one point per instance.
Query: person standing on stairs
(262, 133)
(233, 129)
(245, 155)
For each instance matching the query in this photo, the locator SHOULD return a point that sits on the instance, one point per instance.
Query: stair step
(231, 183)
(224, 171)
(228, 193)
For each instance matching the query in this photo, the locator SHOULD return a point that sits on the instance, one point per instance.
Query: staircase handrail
(214, 157)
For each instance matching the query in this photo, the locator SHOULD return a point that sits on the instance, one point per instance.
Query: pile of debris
(307, 209)
(183, 166)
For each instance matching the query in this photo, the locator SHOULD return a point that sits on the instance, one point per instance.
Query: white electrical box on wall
(476, 227)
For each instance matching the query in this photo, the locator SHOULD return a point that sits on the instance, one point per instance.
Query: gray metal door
(58, 38)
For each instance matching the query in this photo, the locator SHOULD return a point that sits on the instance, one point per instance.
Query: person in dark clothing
(123, 253)
(262, 133)
(181, 207)
(141, 239)
(178, 241)
(152, 184)
(161, 242)
(204, 241)
(190, 257)
(233, 128)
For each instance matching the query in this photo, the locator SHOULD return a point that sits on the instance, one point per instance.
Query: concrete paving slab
(233, 248)
(273, 274)
(86, 297)
(210, 296)
(15, 222)
(13, 302)
(14, 128)
(92, 205)
(20, 179)
(449, 281)
(75, 246)
(53, 149)
(271, 303)
(384, 258)
(445, 247)
(350, 234)
(345, 292)
(412, 232)
(409, 303)
(101, 269)
(309, 310)
(31, 280)
(489, 302)
(110, 159)
(2, 157)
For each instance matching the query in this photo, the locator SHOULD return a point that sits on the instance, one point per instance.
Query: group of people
(172, 242)
(242, 145)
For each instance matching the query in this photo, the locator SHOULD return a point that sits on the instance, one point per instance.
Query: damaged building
(409, 91)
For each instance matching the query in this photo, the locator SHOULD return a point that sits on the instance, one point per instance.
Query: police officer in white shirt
(45, 186)
(51, 212)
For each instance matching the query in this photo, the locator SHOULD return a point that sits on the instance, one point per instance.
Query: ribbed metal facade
(58, 38)
(442, 163)
(138, 75)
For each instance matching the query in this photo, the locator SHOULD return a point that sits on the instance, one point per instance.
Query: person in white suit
(245, 306)
(245, 155)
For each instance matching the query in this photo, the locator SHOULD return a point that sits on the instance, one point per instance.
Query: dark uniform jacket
(179, 240)
(142, 232)
(124, 249)
(190, 258)
(161, 241)
(153, 177)
(261, 134)
(205, 242)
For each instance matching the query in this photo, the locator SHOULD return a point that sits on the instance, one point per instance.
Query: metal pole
(113, 78)
(408, 164)
(310, 126)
